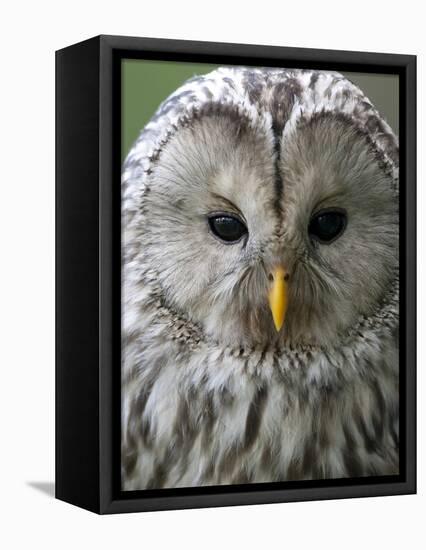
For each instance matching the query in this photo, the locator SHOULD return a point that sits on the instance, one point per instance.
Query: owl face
(271, 238)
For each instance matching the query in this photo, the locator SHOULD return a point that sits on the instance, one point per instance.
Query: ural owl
(260, 284)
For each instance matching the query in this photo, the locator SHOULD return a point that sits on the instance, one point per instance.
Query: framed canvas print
(235, 274)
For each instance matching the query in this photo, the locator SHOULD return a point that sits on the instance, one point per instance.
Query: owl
(260, 284)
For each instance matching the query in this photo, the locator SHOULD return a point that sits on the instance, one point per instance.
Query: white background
(29, 34)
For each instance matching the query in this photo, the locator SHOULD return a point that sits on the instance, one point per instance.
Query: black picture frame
(88, 273)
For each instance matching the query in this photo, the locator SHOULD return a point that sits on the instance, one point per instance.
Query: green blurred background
(145, 84)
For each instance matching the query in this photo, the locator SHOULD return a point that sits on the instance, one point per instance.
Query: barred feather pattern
(198, 410)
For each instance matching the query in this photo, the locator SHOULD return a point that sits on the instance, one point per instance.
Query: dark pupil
(327, 226)
(227, 228)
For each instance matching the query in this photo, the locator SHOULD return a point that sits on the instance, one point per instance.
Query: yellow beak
(278, 297)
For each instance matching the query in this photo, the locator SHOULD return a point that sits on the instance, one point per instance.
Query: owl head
(261, 205)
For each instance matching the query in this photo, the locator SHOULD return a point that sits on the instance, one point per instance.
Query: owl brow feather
(197, 158)
(191, 159)
(205, 150)
(183, 174)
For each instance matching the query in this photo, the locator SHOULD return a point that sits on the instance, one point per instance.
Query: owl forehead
(284, 94)
(220, 162)
(273, 100)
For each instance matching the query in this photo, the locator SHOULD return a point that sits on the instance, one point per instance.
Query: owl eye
(327, 225)
(227, 228)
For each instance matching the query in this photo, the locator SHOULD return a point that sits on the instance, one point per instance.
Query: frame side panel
(110, 277)
(410, 281)
(77, 277)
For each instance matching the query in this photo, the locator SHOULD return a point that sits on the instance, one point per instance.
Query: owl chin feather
(212, 392)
